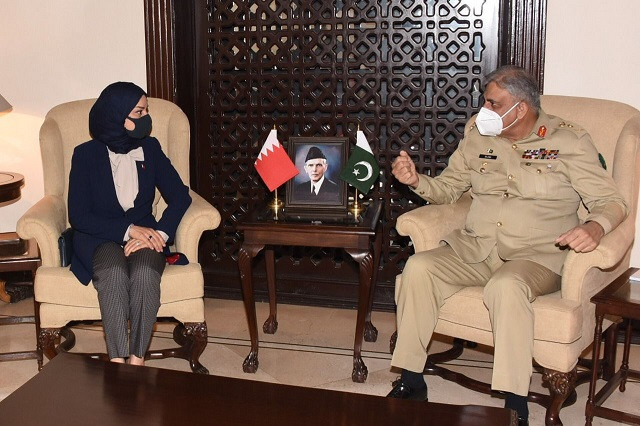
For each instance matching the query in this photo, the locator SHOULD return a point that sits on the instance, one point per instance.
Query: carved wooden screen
(407, 72)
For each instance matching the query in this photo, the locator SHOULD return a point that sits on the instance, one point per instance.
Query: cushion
(467, 309)
(178, 283)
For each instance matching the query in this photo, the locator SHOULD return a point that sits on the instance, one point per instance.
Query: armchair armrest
(427, 225)
(199, 217)
(45, 221)
(610, 258)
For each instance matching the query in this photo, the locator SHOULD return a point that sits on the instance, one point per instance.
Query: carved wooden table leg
(597, 336)
(370, 332)
(245, 258)
(624, 368)
(36, 315)
(365, 259)
(270, 326)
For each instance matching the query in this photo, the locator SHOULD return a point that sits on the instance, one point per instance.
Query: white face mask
(489, 122)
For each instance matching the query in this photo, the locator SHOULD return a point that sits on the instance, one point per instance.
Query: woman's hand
(148, 237)
(133, 245)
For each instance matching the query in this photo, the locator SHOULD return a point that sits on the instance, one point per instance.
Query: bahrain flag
(273, 164)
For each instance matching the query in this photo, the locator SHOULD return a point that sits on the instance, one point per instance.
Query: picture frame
(331, 199)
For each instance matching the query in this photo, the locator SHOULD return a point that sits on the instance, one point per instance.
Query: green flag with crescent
(361, 169)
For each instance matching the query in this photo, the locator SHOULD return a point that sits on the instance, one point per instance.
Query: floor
(312, 347)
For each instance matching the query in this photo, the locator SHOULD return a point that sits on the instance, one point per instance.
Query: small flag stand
(274, 167)
(356, 208)
(276, 204)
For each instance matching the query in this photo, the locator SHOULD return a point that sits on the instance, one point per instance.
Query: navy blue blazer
(95, 213)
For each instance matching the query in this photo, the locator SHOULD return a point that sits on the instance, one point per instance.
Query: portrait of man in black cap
(318, 188)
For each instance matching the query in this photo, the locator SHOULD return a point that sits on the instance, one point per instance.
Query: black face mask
(142, 127)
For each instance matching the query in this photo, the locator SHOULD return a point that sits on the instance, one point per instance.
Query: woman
(117, 241)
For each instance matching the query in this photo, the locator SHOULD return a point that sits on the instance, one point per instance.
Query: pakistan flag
(361, 169)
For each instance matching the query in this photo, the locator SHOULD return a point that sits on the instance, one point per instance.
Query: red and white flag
(273, 164)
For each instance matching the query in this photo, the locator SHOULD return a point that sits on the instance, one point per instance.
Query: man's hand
(405, 170)
(583, 238)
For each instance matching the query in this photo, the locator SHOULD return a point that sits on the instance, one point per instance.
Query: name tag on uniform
(488, 157)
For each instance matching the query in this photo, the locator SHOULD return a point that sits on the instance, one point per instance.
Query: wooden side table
(621, 298)
(19, 255)
(361, 240)
(10, 185)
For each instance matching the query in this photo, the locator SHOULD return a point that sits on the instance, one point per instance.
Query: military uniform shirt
(525, 194)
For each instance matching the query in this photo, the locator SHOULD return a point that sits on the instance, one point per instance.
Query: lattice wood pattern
(407, 72)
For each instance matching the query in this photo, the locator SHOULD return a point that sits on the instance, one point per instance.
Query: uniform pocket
(484, 166)
(539, 177)
(487, 176)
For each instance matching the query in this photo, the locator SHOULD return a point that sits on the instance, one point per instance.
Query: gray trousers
(128, 291)
(430, 277)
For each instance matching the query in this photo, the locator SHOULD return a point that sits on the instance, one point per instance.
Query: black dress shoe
(523, 422)
(402, 391)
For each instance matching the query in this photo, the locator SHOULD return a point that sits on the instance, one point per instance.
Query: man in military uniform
(529, 172)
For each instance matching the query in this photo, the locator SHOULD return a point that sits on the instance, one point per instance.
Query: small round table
(10, 184)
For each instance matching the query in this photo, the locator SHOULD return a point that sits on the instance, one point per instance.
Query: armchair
(60, 297)
(564, 321)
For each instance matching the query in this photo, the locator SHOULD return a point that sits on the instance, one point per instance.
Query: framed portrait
(317, 191)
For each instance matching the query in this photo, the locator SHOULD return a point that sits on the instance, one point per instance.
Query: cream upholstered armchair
(60, 297)
(564, 321)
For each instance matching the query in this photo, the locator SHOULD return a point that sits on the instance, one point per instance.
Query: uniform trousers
(430, 277)
(128, 292)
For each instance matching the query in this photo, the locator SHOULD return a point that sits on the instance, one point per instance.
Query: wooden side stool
(19, 255)
(621, 299)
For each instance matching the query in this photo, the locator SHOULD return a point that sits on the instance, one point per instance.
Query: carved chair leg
(192, 336)
(47, 340)
(49, 337)
(560, 386)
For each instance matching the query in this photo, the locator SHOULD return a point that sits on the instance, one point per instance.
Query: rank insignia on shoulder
(541, 154)
(542, 131)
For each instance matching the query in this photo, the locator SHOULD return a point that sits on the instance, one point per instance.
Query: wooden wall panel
(159, 40)
(407, 71)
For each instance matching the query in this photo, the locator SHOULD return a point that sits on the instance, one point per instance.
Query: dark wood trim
(522, 35)
(186, 75)
(158, 17)
(170, 76)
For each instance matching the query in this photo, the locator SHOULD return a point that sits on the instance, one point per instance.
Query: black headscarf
(106, 118)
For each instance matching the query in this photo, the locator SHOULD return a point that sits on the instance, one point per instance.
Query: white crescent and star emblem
(369, 170)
